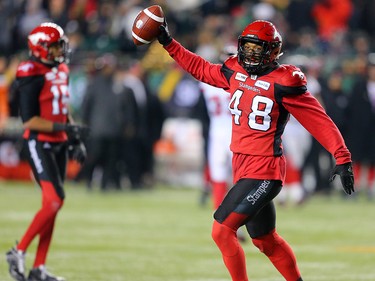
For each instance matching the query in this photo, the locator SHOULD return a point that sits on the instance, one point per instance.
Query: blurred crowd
(332, 41)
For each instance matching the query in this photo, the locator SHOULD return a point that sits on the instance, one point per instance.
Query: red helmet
(265, 35)
(43, 37)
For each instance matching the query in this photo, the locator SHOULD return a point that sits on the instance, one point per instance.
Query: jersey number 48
(261, 107)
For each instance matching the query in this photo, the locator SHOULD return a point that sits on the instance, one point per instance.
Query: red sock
(280, 254)
(232, 252)
(219, 190)
(45, 238)
(43, 221)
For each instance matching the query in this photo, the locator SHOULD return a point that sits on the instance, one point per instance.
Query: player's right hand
(164, 37)
(345, 171)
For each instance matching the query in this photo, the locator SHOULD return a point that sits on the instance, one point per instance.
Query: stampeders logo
(262, 189)
(251, 88)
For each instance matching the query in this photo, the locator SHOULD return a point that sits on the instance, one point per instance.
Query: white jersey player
(219, 155)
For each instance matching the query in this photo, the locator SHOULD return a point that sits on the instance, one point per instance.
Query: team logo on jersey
(26, 67)
(299, 74)
(262, 84)
(253, 77)
(241, 77)
(251, 88)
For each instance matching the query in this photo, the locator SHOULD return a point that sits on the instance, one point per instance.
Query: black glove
(164, 36)
(76, 133)
(345, 171)
(78, 152)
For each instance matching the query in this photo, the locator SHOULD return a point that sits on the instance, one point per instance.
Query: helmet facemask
(255, 55)
(59, 51)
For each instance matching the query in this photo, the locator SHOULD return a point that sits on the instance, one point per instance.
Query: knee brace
(225, 238)
(267, 243)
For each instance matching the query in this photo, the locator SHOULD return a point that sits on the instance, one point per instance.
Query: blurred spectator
(122, 22)
(104, 109)
(33, 15)
(4, 106)
(331, 17)
(8, 10)
(149, 117)
(58, 12)
(364, 18)
(335, 100)
(360, 128)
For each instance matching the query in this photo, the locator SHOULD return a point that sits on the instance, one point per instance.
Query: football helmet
(45, 36)
(264, 48)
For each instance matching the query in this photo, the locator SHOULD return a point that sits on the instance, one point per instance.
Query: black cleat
(16, 261)
(41, 274)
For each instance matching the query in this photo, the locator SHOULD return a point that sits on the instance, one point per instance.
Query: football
(146, 25)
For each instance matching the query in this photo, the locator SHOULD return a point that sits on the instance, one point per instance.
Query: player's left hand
(78, 152)
(77, 132)
(345, 171)
(164, 37)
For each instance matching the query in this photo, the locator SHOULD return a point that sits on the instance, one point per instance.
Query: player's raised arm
(198, 67)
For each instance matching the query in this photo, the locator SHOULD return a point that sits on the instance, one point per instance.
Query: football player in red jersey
(263, 94)
(49, 134)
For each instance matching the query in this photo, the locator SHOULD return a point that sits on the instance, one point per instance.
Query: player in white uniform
(297, 142)
(219, 155)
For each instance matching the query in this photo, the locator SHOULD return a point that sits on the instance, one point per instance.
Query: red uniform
(262, 100)
(260, 106)
(53, 95)
(42, 91)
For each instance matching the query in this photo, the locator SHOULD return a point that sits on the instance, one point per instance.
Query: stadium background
(324, 37)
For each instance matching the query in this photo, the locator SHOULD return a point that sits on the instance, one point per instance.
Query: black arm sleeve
(29, 89)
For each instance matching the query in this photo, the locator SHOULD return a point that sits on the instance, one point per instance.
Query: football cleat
(16, 261)
(41, 274)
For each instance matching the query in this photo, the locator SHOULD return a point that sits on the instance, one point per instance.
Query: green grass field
(164, 235)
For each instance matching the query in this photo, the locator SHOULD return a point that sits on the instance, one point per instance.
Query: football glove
(78, 152)
(77, 132)
(345, 171)
(164, 36)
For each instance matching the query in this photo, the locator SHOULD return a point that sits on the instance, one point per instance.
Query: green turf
(163, 235)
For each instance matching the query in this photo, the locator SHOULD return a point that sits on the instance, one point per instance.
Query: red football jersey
(260, 107)
(52, 97)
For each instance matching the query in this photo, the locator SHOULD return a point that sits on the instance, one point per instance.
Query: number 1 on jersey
(59, 91)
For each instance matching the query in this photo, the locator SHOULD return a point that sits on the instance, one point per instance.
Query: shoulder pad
(232, 64)
(231, 61)
(291, 76)
(30, 68)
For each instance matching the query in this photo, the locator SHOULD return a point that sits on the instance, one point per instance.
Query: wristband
(57, 127)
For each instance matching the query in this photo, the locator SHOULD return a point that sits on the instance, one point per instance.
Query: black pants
(252, 199)
(48, 162)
